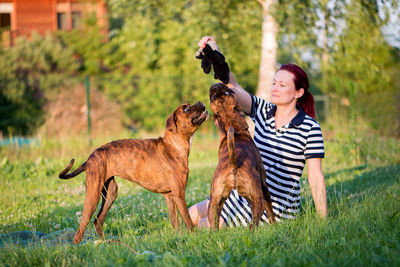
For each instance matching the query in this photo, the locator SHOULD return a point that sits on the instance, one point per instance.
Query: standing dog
(239, 162)
(159, 165)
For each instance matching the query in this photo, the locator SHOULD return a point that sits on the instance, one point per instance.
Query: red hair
(306, 102)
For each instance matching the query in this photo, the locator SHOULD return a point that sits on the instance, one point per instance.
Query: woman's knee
(202, 208)
(194, 214)
(198, 211)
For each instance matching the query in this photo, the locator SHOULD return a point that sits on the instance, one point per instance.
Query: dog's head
(226, 109)
(186, 118)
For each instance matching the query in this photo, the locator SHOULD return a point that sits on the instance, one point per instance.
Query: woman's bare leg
(198, 214)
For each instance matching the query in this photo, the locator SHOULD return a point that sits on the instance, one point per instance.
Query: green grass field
(363, 228)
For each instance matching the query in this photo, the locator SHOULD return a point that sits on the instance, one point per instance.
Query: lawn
(363, 227)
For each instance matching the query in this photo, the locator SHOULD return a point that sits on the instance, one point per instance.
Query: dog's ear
(212, 98)
(171, 123)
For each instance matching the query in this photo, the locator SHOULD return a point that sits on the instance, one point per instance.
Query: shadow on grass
(335, 174)
(352, 184)
(365, 181)
(133, 219)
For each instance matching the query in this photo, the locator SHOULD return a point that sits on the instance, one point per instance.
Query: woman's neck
(284, 114)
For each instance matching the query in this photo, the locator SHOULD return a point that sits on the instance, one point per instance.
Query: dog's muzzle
(201, 113)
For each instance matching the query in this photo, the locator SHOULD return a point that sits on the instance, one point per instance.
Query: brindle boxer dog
(159, 165)
(239, 162)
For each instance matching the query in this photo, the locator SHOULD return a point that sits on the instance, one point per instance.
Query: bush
(27, 71)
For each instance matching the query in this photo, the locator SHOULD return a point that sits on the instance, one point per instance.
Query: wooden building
(21, 17)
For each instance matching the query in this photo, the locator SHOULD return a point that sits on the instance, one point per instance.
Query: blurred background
(110, 66)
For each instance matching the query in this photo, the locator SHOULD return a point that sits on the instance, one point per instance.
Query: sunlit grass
(362, 228)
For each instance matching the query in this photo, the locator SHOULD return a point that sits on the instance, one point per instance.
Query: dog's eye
(185, 108)
(229, 92)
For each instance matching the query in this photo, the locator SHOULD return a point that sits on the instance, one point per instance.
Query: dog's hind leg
(220, 191)
(257, 210)
(268, 205)
(214, 211)
(93, 188)
(108, 195)
(172, 210)
(270, 212)
(180, 202)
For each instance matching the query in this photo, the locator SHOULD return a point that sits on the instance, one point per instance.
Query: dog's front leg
(173, 212)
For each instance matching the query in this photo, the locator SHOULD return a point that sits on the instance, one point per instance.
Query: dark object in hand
(216, 60)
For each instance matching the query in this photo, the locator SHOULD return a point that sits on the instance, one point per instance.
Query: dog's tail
(63, 174)
(231, 148)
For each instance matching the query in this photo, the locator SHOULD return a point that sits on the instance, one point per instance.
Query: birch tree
(269, 49)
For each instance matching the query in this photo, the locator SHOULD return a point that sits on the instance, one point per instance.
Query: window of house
(5, 20)
(62, 21)
(76, 17)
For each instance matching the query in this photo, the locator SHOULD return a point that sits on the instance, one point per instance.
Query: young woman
(287, 136)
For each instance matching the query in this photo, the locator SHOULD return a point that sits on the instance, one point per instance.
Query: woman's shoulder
(312, 127)
(306, 124)
(311, 121)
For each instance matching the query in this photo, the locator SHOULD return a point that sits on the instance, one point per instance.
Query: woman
(288, 136)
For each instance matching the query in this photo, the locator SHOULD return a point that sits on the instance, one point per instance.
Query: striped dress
(284, 153)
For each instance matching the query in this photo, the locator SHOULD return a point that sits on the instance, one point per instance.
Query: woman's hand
(244, 99)
(210, 41)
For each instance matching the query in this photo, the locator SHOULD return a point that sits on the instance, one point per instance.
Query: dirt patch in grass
(67, 114)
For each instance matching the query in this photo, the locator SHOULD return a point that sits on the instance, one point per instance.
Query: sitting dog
(239, 162)
(159, 165)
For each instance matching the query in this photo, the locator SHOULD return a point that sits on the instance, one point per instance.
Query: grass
(363, 191)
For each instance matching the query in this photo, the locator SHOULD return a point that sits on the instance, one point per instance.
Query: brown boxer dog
(159, 165)
(239, 162)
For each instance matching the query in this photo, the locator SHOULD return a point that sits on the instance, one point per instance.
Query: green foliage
(362, 56)
(343, 48)
(152, 58)
(363, 62)
(28, 71)
(88, 46)
(147, 62)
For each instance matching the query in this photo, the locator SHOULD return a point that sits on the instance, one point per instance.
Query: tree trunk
(269, 49)
(325, 54)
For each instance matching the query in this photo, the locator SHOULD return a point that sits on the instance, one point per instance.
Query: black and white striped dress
(284, 153)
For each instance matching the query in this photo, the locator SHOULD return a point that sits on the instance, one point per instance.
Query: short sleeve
(315, 143)
(259, 106)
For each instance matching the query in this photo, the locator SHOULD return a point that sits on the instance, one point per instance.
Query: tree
(363, 67)
(153, 64)
(269, 47)
(27, 72)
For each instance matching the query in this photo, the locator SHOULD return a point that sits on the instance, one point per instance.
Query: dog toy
(213, 59)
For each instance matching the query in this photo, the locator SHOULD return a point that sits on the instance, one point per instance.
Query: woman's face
(283, 89)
